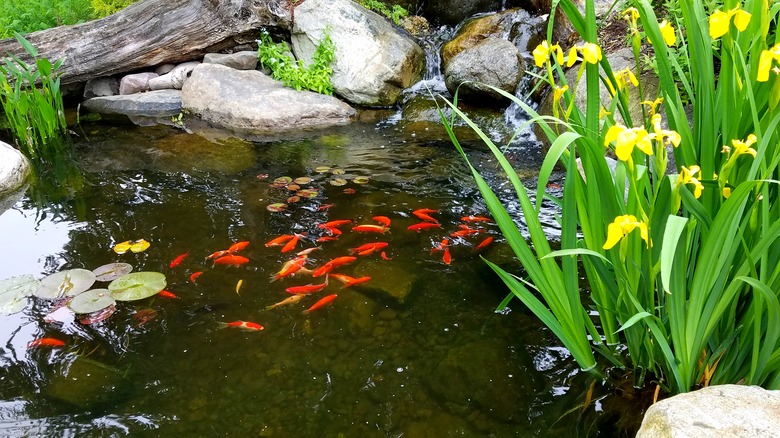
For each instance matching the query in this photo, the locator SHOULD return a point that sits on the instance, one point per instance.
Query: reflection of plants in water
(56, 184)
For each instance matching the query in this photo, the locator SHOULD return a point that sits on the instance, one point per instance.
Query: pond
(416, 351)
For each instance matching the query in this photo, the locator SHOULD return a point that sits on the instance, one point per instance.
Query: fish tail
(222, 325)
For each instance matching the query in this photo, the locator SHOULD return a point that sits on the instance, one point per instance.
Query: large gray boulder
(249, 101)
(492, 61)
(14, 169)
(733, 411)
(373, 63)
(161, 103)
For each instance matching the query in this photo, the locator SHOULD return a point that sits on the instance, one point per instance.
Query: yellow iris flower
(765, 62)
(653, 104)
(623, 225)
(622, 77)
(591, 53)
(719, 21)
(632, 15)
(626, 139)
(667, 32)
(543, 51)
(744, 147)
(691, 176)
(662, 134)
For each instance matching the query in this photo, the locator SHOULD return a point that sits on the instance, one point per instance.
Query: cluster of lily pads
(73, 287)
(295, 186)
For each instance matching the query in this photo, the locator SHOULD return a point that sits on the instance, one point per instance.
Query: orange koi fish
(332, 231)
(335, 224)
(238, 246)
(308, 251)
(349, 281)
(327, 267)
(370, 229)
(325, 207)
(465, 232)
(447, 257)
(321, 303)
(384, 220)
(46, 342)
(195, 276)
(217, 254)
(167, 294)
(292, 243)
(368, 248)
(384, 256)
(423, 214)
(289, 300)
(178, 260)
(289, 268)
(423, 226)
(231, 260)
(243, 325)
(441, 246)
(484, 243)
(475, 219)
(279, 241)
(307, 289)
(143, 316)
(326, 239)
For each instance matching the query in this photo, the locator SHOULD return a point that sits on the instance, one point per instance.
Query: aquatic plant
(293, 73)
(682, 267)
(32, 102)
(394, 13)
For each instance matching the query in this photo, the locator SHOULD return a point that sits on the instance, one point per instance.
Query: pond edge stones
(14, 170)
(734, 411)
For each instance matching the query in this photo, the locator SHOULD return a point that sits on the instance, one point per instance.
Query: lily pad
(121, 248)
(140, 245)
(360, 180)
(302, 180)
(293, 199)
(112, 271)
(338, 182)
(137, 285)
(307, 193)
(277, 207)
(98, 316)
(322, 169)
(338, 171)
(91, 301)
(13, 293)
(283, 180)
(65, 284)
(293, 187)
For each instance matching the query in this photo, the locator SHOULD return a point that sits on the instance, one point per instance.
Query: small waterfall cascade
(433, 78)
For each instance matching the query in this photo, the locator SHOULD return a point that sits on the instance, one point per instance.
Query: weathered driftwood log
(153, 32)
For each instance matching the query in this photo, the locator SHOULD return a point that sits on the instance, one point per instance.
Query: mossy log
(153, 32)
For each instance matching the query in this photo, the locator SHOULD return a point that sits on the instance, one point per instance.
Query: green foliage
(395, 13)
(25, 16)
(103, 8)
(683, 268)
(293, 73)
(32, 102)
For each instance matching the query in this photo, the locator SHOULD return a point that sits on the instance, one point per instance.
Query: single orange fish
(447, 257)
(441, 246)
(238, 246)
(321, 303)
(423, 226)
(466, 232)
(370, 229)
(217, 254)
(307, 289)
(335, 224)
(327, 267)
(325, 207)
(289, 300)
(422, 214)
(46, 342)
(281, 240)
(290, 267)
(484, 243)
(384, 220)
(166, 294)
(178, 260)
(143, 316)
(195, 276)
(243, 325)
(368, 248)
(384, 256)
(326, 239)
(332, 231)
(292, 243)
(308, 251)
(475, 219)
(349, 281)
(231, 260)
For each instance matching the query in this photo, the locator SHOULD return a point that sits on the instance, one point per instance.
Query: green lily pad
(283, 180)
(91, 301)
(277, 207)
(322, 169)
(338, 182)
(360, 180)
(307, 193)
(137, 285)
(65, 284)
(301, 180)
(338, 171)
(13, 293)
(112, 271)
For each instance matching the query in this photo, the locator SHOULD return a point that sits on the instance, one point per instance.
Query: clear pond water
(416, 352)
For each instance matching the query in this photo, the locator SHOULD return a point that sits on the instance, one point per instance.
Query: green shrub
(683, 269)
(104, 8)
(293, 73)
(25, 16)
(395, 13)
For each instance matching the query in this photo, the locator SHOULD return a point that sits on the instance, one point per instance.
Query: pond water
(418, 351)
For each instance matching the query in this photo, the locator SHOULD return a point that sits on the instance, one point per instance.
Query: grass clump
(25, 16)
(683, 268)
(394, 13)
(293, 73)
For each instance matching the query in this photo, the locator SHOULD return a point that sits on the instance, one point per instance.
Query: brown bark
(153, 32)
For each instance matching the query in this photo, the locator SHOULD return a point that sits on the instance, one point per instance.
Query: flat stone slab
(250, 101)
(160, 103)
